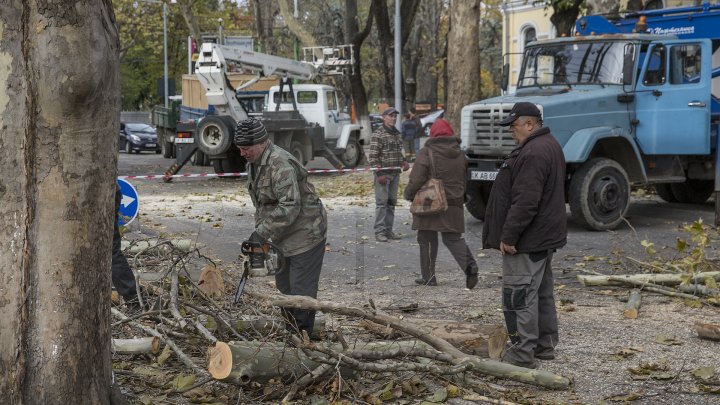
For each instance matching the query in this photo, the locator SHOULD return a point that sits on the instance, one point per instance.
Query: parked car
(376, 121)
(429, 119)
(137, 137)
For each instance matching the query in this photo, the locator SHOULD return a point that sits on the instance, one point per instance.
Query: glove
(382, 180)
(405, 166)
(256, 237)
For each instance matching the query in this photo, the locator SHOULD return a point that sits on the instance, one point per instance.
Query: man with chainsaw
(288, 213)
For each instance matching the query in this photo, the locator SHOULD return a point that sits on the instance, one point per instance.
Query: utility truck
(632, 101)
(304, 119)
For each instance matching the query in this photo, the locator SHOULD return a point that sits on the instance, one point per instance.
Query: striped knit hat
(250, 132)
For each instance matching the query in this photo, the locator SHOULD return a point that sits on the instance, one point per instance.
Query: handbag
(430, 199)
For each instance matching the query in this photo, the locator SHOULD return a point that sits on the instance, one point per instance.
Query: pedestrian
(525, 219)
(123, 278)
(288, 212)
(441, 158)
(409, 130)
(386, 151)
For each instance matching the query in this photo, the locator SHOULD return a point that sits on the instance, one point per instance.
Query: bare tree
(354, 36)
(59, 103)
(565, 13)
(463, 61)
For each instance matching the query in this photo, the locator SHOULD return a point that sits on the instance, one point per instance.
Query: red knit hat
(441, 128)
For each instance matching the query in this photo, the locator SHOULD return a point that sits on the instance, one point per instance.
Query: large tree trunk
(463, 60)
(386, 41)
(354, 36)
(565, 13)
(59, 104)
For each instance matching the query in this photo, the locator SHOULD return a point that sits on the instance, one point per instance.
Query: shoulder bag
(430, 199)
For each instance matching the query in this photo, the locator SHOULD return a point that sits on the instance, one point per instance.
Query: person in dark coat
(525, 219)
(449, 165)
(123, 278)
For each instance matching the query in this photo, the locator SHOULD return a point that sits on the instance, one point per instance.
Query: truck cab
(319, 104)
(626, 109)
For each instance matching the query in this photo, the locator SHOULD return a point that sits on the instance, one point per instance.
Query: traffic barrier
(243, 174)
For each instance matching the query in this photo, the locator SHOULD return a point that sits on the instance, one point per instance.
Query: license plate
(488, 176)
(184, 140)
(150, 145)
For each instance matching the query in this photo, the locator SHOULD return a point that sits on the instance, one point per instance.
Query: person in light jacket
(449, 165)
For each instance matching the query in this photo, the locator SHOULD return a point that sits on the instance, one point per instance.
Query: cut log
(136, 346)
(633, 304)
(241, 362)
(481, 340)
(663, 279)
(708, 331)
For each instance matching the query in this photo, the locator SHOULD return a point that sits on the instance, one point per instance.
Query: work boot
(548, 354)
(471, 281)
(533, 364)
(432, 282)
(392, 235)
(381, 238)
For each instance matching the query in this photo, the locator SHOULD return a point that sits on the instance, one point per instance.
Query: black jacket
(526, 207)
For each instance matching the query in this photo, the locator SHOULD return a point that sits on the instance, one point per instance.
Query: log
(136, 345)
(633, 304)
(241, 362)
(663, 279)
(708, 331)
(698, 289)
(490, 367)
(486, 341)
(142, 245)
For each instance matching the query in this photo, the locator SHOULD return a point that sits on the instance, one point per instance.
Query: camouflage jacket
(288, 211)
(386, 149)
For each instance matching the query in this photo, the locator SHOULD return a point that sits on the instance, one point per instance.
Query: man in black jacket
(525, 219)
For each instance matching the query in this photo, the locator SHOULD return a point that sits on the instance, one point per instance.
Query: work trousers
(300, 275)
(529, 305)
(385, 202)
(409, 146)
(123, 278)
(428, 241)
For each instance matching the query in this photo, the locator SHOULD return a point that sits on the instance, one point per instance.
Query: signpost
(129, 204)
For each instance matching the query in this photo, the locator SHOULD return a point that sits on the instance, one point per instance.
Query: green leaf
(681, 245)
(183, 381)
(649, 247)
(439, 396)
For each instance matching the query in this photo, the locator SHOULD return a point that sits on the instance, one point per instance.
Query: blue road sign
(129, 203)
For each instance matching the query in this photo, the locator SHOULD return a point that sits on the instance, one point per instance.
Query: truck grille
(487, 137)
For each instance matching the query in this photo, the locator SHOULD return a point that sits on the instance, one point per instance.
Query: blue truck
(632, 101)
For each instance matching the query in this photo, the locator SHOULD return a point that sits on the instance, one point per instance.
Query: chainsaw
(258, 258)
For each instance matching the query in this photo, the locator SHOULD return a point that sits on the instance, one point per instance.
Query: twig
(217, 317)
(174, 300)
(197, 384)
(140, 315)
(307, 380)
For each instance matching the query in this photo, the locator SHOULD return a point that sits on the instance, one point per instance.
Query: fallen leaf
(667, 340)
(703, 373)
(384, 278)
(626, 397)
(211, 281)
(164, 356)
(440, 395)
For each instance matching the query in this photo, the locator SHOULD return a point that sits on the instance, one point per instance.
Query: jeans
(385, 201)
(428, 241)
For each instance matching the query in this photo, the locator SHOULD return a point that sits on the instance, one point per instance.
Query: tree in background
(59, 103)
(463, 62)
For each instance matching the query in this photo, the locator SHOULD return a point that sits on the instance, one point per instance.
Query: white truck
(304, 119)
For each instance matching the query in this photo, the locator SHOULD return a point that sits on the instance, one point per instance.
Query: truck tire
(599, 194)
(478, 194)
(664, 191)
(693, 191)
(233, 163)
(198, 158)
(215, 134)
(296, 150)
(167, 147)
(352, 154)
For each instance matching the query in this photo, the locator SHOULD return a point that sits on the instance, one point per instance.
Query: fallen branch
(489, 367)
(634, 279)
(708, 331)
(136, 345)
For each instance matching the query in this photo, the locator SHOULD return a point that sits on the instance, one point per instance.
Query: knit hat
(441, 128)
(250, 132)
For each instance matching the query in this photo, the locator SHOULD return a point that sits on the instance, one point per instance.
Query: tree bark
(565, 13)
(354, 36)
(463, 61)
(387, 46)
(295, 27)
(633, 304)
(708, 331)
(191, 21)
(59, 104)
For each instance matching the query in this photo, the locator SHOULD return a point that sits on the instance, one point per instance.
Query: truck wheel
(352, 153)
(478, 194)
(693, 191)
(215, 134)
(198, 158)
(234, 163)
(167, 148)
(296, 150)
(664, 191)
(599, 194)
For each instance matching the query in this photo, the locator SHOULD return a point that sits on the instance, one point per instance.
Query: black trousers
(300, 275)
(428, 241)
(123, 278)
